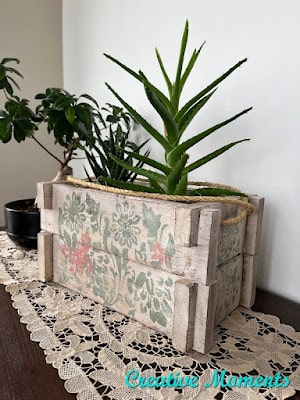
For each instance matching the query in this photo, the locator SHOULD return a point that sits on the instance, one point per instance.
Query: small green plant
(172, 177)
(99, 151)
(71, 119)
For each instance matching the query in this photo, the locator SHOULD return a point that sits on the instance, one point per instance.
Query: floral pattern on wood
(125, 225)
(96, 258)
(146, 235)
(229, 277)
(231, 241)
(77, 254)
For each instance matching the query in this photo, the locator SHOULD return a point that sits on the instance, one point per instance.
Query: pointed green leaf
(165, 75)
(211, 191)
(145, 124)
(192, 112)
(157, 188)
(8, 88)
(87, 96)
(177, 84)
(70, 115)
(6, 60)
(211, 156)
(190, 66)
(149, 161)
(128, 185)
(141, 171)
(159, 94)
(181, 187)
(14, 71)
(174, 154)
(127, 69)
(203, 92)
(169, 122)
(14, 82)
(175, 175)
(5, 130)
(2, 72)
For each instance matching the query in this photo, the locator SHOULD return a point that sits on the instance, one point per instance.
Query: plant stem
(68, 155)
(49, 152)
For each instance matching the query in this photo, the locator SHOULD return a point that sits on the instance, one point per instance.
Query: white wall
(267, 31)
(31, 31)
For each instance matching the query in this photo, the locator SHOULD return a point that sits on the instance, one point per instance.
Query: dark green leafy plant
(99, 150)
(172, 177)
(16, 119)
(68, 117)
(6, 81)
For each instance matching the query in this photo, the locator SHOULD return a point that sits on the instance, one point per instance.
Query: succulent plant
(171, 177)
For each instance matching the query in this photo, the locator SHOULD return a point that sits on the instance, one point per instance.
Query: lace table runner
(94, 348)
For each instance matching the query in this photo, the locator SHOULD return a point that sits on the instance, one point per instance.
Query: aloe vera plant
(172, 177)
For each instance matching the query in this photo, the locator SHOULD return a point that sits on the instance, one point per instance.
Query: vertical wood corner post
(45, 239)
(207, 260)
(195, 295)
(251, 252)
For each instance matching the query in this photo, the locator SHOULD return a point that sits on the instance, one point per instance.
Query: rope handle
(246, 208)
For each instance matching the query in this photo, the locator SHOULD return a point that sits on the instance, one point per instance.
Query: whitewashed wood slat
(45, 256)
(248, 287)
(185, 297)
(187, 224)
(204, 318)
(254, 227)
(44, 195)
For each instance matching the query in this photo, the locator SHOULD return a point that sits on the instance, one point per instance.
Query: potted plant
(175, 256)
(66, 116)
(72, 120)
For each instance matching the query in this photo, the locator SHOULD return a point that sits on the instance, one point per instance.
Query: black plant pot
(22, 222)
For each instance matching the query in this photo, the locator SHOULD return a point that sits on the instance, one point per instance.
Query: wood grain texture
(49, 220)
(187, 225)
(185, 297)
(206, 252)
(44, 195)
(45, 256)
(254, 227)
(248, 288)
(204, 318)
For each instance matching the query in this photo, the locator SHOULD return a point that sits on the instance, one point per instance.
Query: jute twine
(245, 207)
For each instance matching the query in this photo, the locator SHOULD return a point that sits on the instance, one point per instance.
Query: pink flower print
(159, 253)
(78, 256)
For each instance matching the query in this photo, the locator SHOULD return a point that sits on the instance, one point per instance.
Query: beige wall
(31, 31)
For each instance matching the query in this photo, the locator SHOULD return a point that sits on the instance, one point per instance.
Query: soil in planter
(28, 207)
(22, 221)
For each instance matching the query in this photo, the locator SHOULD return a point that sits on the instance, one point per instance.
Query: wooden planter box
(172, 266)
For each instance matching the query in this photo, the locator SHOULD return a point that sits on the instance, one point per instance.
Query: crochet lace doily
(94, 347)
